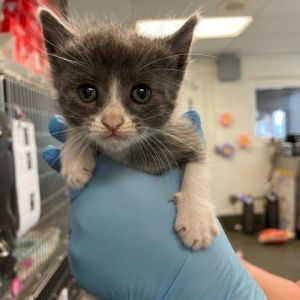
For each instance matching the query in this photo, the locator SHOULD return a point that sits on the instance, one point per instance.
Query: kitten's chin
(114, 143)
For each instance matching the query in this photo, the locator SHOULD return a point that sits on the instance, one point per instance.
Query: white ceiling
(275, 28)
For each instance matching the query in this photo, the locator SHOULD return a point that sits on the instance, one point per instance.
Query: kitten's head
(115, 87)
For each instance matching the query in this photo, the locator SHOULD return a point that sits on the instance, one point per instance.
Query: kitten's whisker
(65, 59)
(158, 142)
(161, 59)
(165, 69)
(62, 49)
(151, 114)
(159, 159)
(66, 130)
(86, 56)
(203, 55)
(152, 153)
(81, 64)
(180, 90)
(167, 80)
(86, 144)
(175, 137)
(152, 117)
(73, 139)
(144, 58)
(73, 114)
(81, 147)
(174, 56)
(172, 136)
(140, 150)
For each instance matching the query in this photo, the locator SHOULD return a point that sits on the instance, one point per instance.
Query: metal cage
(42, 251)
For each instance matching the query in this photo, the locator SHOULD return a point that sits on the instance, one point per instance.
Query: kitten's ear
(55, 30)
(180, 42)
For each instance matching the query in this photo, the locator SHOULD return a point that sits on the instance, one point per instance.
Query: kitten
(118, 92)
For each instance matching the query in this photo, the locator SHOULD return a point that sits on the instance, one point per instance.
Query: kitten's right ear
(55, 30)
(180, 41)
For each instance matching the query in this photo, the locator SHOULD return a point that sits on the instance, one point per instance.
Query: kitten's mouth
(114, 136)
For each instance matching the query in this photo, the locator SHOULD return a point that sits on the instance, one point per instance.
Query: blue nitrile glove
(123, 246)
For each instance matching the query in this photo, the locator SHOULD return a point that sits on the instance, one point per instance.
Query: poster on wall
(283, 185)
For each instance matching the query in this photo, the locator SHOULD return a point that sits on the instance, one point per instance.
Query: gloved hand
(123, 246)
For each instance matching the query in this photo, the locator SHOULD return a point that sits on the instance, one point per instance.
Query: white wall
(248, 171)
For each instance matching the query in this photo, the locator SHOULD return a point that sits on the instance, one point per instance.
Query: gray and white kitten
(118, 92)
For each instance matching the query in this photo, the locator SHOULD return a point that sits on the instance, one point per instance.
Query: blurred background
(243, 79)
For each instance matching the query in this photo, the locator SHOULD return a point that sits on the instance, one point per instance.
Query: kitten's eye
(140, 93)
(87, 92)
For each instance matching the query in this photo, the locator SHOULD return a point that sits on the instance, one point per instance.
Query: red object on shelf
(21, 20)
(275, 236)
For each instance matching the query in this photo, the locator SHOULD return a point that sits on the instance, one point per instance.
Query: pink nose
(112, 123)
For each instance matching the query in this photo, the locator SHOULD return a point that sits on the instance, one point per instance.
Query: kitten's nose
(112, 122)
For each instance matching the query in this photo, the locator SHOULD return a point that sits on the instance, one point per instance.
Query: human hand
(123, 246)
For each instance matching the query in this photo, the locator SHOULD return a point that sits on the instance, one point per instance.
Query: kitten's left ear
(180, 42)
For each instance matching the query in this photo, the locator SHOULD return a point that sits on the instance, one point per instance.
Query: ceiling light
(208, 27)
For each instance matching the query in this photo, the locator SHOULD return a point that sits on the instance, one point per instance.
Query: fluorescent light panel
(208, 28)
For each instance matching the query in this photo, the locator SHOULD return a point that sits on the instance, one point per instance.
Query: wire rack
(42, 250)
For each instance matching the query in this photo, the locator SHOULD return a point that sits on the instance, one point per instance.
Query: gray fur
(153, 139)
(97, 53)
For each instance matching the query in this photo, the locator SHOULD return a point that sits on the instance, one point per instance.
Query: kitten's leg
(195, 222)
(78, 163)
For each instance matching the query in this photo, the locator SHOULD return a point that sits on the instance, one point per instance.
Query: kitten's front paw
(195, 225)
(78, 173)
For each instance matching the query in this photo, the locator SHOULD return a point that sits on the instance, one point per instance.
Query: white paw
(78, 172)
(195, 224)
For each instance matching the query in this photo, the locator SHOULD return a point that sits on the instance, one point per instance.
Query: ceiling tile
(273, 26)
(211, 46)
(260, 44)
(145, 9)
(251, 8)
(180, 8)
(283, 8)
(104, 9)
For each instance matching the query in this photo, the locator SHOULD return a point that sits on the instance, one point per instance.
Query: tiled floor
(283, 260)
